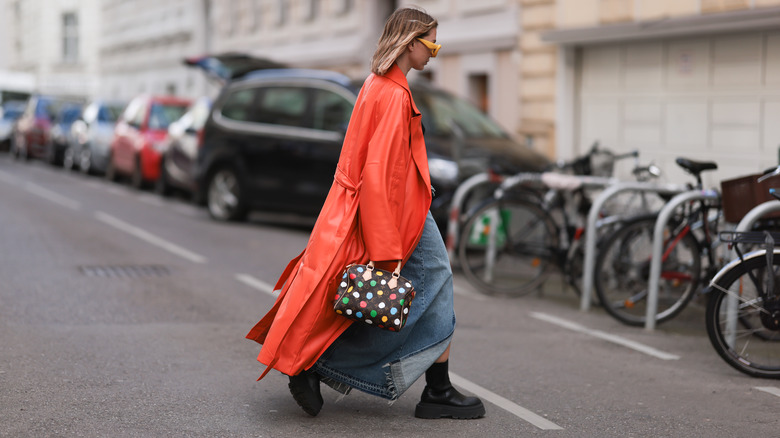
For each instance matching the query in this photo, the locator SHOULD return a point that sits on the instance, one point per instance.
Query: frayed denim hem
(400, 374)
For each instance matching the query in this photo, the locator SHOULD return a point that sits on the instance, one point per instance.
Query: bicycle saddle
(696, 167)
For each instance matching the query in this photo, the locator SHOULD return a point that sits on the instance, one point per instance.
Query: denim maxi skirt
(386, 363)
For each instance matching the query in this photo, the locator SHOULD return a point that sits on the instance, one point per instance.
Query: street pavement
(124, 315)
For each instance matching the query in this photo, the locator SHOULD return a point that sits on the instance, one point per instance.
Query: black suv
(274, 136)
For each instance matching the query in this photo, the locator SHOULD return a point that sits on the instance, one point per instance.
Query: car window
(69, 113)
(283, 106)
(109, 113)
(161, 115)
(443, 113)
(331, 111)
(44, 109)
(238, 105)
(11, 112)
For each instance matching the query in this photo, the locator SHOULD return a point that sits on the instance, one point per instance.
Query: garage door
(709, 98)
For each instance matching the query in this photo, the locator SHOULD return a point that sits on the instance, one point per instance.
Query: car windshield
(443, 113)
(12, 113)
(110, 113)
(69, 114)
(162, 115)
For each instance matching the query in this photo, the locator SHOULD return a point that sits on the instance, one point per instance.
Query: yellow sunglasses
(433, 46)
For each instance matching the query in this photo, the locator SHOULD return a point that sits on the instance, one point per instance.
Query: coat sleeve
(382, 191)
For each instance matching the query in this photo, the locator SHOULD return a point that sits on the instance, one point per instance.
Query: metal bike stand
(746, 224)
(456, 208)
(585, 181)
(658, 239)
(591, 227)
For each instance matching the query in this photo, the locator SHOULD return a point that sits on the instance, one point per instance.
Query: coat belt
(345, 181)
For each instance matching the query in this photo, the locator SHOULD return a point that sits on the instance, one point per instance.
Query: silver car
(91, 136)
(9, 112)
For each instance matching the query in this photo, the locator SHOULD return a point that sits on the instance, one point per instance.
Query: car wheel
(137, 179)
(69, 159)
(111, 174)
(162, 186)
(224, 197)
(51, 153)
(85, 161)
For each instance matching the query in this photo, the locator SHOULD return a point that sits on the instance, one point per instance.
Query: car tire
(69, 159)
(224, 195)
(51, 153)
(85, 161)
(111, 174)
(137, 178)
(163, 186)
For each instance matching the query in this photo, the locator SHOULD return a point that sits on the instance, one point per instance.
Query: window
(281, 12)
(70, 38)
(312, 9)
(283, 106)
(161, 115)
(342, 7)
(238, 106)
(331, 111)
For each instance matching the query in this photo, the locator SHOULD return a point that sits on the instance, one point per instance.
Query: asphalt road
(124, 315)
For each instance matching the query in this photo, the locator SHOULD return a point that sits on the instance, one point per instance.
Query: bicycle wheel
(518, 261)
(623, 267)
(742, 324)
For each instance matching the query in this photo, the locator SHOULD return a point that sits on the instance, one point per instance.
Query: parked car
(60, 131)
(9, 114)
(91, 135)
(139, 137)
(180, 150)
(32, 135)
(273, 139)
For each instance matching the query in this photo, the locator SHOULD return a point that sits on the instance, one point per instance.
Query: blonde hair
(401, 28)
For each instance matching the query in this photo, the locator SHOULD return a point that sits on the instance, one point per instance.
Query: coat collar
(396, 75)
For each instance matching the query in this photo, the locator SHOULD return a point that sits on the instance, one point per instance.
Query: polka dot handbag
(374, 296)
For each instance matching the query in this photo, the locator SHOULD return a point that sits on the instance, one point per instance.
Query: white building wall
(36, 44)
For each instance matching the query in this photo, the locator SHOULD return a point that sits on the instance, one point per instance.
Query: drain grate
(125, 271)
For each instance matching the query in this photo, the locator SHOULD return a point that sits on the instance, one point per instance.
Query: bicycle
(511, 242)
(743, 307)
(622, 264)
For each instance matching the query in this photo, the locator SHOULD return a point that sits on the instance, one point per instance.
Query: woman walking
(377, 209)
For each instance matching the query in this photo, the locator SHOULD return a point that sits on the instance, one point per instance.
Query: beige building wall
(539, 85)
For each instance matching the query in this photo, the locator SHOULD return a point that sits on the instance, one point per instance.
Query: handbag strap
(392, 283)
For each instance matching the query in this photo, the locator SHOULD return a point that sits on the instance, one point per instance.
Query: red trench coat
(376, 210)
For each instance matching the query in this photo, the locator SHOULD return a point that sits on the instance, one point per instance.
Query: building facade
(693, 78)
(54, 41)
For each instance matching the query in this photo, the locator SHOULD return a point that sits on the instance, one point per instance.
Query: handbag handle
(392, 283)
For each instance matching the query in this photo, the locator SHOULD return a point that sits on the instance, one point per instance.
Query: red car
(139, 138)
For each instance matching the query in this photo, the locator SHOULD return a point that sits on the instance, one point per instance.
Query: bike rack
(584, 181)
(455, 209)
(591, 227)
(655, 261)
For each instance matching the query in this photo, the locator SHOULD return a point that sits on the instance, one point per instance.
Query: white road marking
(52, 196)
(769, 389)
(150, 238)
(605, 336)
(505, 404)
(257, 284)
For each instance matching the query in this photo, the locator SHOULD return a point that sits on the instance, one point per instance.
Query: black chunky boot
(305, 389)
(441, 400)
